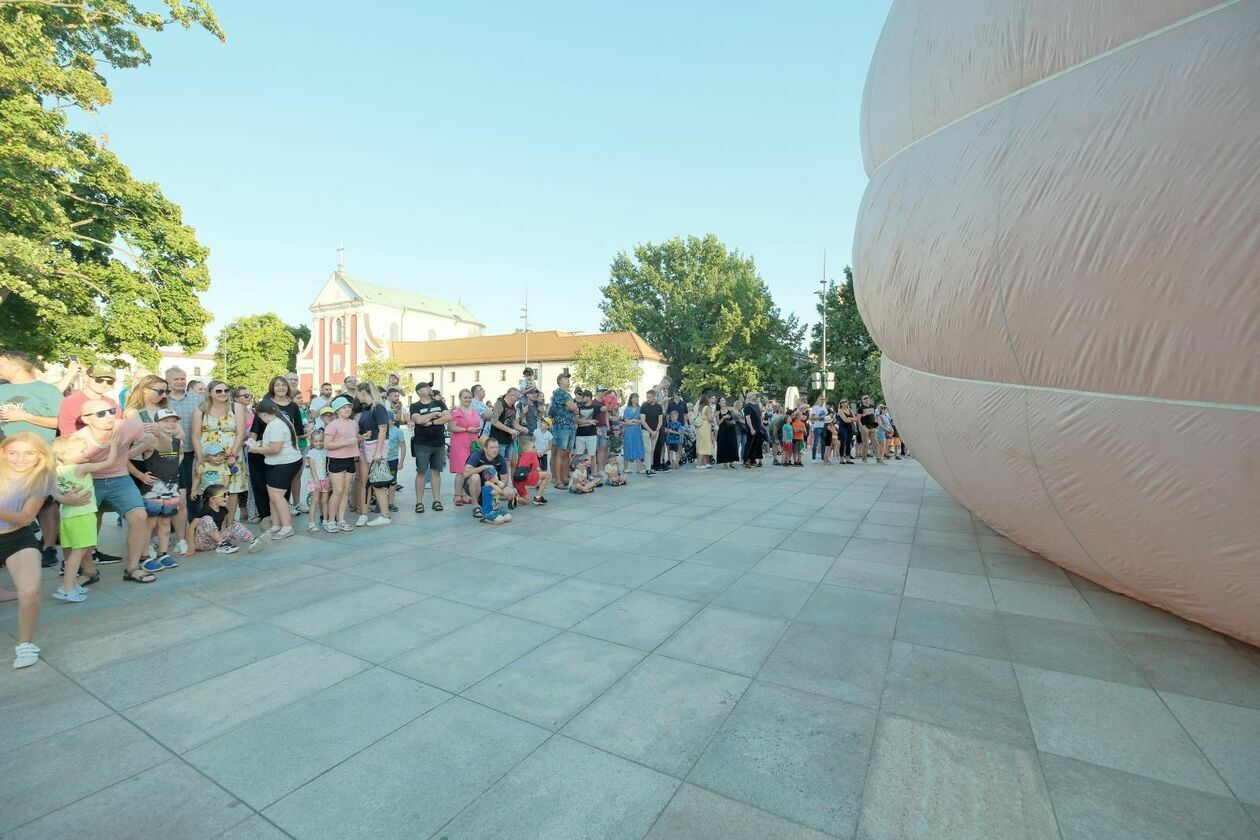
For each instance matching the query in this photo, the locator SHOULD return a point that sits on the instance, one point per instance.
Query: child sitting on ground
(614, 475)
(78, 524)
(580, 478)
(317, 483)
(211, 529)
(529, 468)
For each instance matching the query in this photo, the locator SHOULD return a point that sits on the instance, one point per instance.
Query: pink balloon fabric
(1059, 255)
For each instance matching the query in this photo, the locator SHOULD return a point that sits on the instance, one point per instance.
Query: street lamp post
(823, 294)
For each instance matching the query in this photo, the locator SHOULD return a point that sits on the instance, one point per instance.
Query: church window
(197, 370)
(339, 330)
(336, 360)
(432, 378)
(452, 376)
(503, 375)
(476, 376)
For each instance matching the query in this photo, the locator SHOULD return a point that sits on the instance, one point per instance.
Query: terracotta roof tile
(546, 346)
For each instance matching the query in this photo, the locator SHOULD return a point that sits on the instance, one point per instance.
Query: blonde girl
(341, 437)
(317, 483)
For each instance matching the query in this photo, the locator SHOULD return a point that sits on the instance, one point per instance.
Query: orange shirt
(798, 429)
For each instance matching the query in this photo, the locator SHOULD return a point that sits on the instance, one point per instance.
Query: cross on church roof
(341, 257)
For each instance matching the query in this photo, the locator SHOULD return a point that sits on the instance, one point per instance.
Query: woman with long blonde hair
(221, 421)
(27, 479)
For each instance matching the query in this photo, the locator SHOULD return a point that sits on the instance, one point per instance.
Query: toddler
(396, 455)
(542, 442)
(529, 471)
(78, 523)
(580, 479)
(317, 483)
(799, 428)
(673, 438)
(614, 476)
(212, 530)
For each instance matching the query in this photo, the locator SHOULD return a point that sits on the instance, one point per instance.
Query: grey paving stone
(877, 551)
(857, 611)
(661, 523)
(470, 653)
(826, 544)
(194, 715)
(1121, 613)
(1228, 735)
(886, 517)
(837, 530)
(147, 676)
(661, 714)
(395, 633)
(566, 603)
(1209, 671)
(1029, 569)
(282, 597)
(759, 536)
(50, 774)
(1002, 545)
(730, 555)
(958, 522)
(552, 683)
(481, 583)
(1092, 801)
(15, 681)
(888, 533)
(338, 612)
(945, 559)
(693, 581)
(254, 828)
(279, 752)
(949, 587)
(410, 783)
(1083, 649)
(259, 581)
(863, 574)
(829, 661)
(391, 568)
(794, 564)
(628, 570)
(766, 594)
(948, 626)
(91, 652)
(926, 781)
(1056, 602)
(697, 814)
(640, 620)
(550, 797)
(557, 558)
(945, 539)
(796, 755)
(55, 706)
(178, 802)
(710, 528)
(1118, 726)
(729, 640)
(969, 694)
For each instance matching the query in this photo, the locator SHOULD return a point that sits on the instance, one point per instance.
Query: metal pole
(525, 318)
(824, 328)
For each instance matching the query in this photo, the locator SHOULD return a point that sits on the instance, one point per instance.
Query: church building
(353, 321)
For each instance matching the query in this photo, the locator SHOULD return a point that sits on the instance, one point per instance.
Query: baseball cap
(101, 371)
(164, 413)
(326, 409)
(212, 449)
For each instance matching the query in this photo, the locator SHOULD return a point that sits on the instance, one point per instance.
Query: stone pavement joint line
(828, 652)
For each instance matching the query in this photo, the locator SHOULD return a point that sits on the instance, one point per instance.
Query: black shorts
(342, 465)
(19, 540)
(280, 476)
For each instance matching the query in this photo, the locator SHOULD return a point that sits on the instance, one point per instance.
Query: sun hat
(341, 402)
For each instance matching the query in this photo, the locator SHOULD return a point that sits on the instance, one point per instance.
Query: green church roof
(371, 293)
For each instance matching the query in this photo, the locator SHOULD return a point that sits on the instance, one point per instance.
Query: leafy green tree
(301, 337)
(610, 365)
(103, 263)
(706, 308)
(851, 352)
(252, 350)
(378, 368)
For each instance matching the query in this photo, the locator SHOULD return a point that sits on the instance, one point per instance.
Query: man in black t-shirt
(589, 413)
(429, 417)
(652, 415)
(487, 466)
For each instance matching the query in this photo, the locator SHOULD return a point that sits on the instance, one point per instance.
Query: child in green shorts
(78, 522)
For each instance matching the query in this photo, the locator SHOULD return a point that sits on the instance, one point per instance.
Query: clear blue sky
(468, 150)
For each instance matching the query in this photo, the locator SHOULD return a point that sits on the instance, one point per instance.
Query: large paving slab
(835, 651)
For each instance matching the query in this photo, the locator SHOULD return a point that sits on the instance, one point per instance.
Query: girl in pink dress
(465, 426)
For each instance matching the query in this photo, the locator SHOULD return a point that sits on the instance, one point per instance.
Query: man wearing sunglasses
(97, 384)
(113, 484)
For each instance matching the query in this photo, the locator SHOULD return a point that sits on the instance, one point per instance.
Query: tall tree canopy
(103, 263)
(851, 352)
(252, 350)
(610, 365)
(301, 337)
(706, 308)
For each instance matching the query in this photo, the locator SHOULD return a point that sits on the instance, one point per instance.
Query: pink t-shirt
(69, 417)
(341, 438)
(127, 431)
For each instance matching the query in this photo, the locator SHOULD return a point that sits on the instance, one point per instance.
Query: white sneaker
(312, 525)
(181, 548)
(25, 655)
(379, 520)
(271, 532)
(345, 526)
(362, 520)
(255, 545)
(283, 533)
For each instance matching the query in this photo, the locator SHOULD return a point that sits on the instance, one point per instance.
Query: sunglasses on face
(104, 412)
(102, 380)
(219, 391)
(162, 391)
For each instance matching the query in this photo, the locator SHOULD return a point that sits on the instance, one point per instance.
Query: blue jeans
(817, 449)
(562, 439)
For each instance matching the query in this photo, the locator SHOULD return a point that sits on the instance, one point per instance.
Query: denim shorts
(119, 492)
(562, 439)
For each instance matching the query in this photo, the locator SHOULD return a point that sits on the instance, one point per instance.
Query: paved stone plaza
(784, 653)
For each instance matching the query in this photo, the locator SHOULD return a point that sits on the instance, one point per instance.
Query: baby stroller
(687, 450)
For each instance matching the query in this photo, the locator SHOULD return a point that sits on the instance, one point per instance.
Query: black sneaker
(103, 559)
(50, 557)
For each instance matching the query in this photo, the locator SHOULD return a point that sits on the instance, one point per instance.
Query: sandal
(459, 501)
(419, 507)
(477, 514)
(438, 506)
(130, 575)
